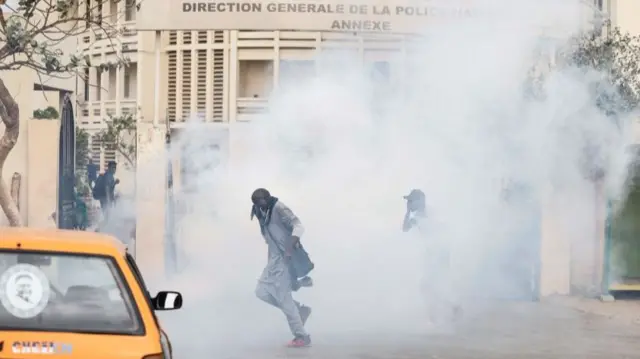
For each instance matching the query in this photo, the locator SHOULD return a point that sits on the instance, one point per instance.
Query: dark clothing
(92, 172)
(104, 204)
(104, 190)
(110, 185)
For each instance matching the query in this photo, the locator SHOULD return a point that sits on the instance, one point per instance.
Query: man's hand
(117, 181)
(294, 243)
(408, 222)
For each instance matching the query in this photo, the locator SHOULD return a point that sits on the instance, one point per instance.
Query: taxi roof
(60, 241)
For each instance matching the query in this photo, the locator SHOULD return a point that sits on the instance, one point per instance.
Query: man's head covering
(260, 193)
(262, 210)
(415, 195)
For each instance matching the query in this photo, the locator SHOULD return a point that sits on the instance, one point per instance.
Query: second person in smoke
(281, 230)
(416, 210)
(437, 284)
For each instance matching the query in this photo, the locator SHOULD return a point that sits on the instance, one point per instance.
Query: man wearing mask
(281, 230)
(437, 283)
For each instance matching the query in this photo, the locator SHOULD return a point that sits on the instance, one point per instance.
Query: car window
(65, 292)
(136, 272)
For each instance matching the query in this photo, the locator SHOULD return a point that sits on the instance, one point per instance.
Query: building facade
(31, 169)
(224, 76)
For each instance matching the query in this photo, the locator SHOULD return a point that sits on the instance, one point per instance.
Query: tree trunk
(16, 181)
(10, 116)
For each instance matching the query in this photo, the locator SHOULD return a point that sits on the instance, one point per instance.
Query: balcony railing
(95, 113)
(130, 28)
(249, 107)
(96, 39)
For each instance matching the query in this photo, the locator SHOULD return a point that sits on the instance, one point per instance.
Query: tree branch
(10, 116)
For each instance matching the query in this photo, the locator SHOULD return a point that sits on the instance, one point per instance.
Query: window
(255, 78)
(113, 74)
(98, 84)
(130, 10)
(51, 291)
(86, 84)
(87, 13)
(130, 80)
(113, 10)
(127, 82)
(99, 13)
(136, 273)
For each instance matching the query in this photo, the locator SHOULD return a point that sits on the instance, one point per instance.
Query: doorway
(623, 247)
(66, 167)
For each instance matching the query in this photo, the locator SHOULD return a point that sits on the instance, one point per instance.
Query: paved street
(562, 328)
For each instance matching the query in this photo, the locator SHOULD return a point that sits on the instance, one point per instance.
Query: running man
(281, 230)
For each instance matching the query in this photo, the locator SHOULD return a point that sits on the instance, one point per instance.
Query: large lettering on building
(397, 16)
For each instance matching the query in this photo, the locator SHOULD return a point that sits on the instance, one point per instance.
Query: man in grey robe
(281, 230)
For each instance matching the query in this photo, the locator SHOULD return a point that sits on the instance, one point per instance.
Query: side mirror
(167, 300)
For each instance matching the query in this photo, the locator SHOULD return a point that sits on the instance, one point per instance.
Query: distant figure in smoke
(437, 283)
(416, 209)
(287, 262)
(104, 187)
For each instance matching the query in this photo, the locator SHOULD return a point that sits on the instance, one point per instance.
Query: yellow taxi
(76, 294)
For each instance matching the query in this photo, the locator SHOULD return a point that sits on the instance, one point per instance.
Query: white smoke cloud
(459, 128)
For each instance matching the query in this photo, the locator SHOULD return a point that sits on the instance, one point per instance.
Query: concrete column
(105, 10)
(208, 115)
(276, 61)
(555, 250)
(120, 6)
(119, 89)
(233, 77)
(179, 77)
(601, 235)
(146, 76)
(93, 96)
(139, 77)
(193, 108)
(150, 200)
(104, 87)
(226, 103)
(156, 102)
(612, 9)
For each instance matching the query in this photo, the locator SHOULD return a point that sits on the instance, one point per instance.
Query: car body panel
(20, 344)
